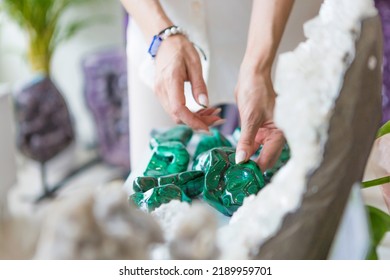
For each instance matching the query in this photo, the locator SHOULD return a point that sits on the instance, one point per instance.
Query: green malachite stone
(269, 173)
(180, 133)
(222, 183)
(227, 183)
(190, 182)
(208, 142)
(168, 158)
(154, 198)
(283, 158)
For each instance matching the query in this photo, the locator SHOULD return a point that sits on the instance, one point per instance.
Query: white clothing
(220, 28)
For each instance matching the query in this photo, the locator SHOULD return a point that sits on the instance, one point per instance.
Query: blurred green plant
(41, 19)
(379, 220)
(380, 225)
(384, 130)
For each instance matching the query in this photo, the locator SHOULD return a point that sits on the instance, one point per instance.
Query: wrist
(256, 67)
(159, 23)
(163, 35)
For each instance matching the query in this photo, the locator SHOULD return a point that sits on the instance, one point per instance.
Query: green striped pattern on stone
(154, 198)
(227, 183)
(269, 173)
(208, 142)
(283, 158)
(168, 158)
(190, 182)
(180, 133)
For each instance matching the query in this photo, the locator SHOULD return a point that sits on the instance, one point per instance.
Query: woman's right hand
(178, 61)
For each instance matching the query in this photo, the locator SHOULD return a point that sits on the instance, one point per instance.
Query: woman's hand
(254, 92)
(255, 98)
(177, 61)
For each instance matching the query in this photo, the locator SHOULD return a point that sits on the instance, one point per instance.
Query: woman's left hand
(255, 99)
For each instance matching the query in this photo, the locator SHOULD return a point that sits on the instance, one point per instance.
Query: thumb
(246, 143)
(198, 86)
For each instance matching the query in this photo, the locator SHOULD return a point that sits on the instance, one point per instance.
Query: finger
(246, 143)
(261, 135)
(161, 92)
(271, 151)
(264, 132)
(217, 111)
(218, 123)
(211, 111)
(180, 111)
(191, 119)
(212, 120)
(198, 86)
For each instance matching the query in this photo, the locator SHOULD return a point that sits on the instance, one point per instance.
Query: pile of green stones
(213, 176)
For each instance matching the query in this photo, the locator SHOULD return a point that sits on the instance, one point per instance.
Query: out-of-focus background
(106, 33)
(88, 79)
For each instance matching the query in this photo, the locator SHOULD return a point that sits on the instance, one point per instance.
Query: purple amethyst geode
(383, 7)
(45, 127)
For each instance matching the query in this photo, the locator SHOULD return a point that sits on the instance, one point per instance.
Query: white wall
(293, 35)
(7, 149)
(66, 67)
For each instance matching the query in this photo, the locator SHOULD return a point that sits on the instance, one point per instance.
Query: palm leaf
(41, 20)
(70, 30)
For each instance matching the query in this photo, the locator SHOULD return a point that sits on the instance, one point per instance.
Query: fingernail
(218, 122)
(216, 112)
(240, 156)
(203, 100)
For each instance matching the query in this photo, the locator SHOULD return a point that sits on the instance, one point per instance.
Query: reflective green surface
(154, 198)
(180, 133)
(168, 158)
(208, 142)
(269, 173)
(222, 183)
(283, 158)
(227, 183)
(190, 182)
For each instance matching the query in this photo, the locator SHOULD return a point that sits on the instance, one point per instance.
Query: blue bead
(153, 48)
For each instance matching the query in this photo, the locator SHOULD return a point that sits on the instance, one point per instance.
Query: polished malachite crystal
(208, 142)
(190, 182)
(269, 173)
(227, 183)
(154, 198)
(283, 158)
(180, 133)
(168, 158)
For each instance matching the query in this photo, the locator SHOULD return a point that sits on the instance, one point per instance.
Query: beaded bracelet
(164, 34)
(172, 30)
